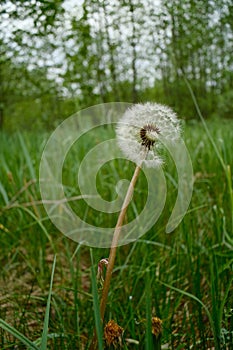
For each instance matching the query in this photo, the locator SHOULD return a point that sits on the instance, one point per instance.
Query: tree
(26, 27)
(99, 51)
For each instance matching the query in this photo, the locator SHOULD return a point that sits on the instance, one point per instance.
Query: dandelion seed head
(142, 130)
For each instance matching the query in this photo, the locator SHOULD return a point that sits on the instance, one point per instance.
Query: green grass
(190, 270)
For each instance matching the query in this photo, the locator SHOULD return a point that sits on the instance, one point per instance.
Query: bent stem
(112, 254)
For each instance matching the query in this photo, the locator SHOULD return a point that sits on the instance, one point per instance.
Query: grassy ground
(185, 277)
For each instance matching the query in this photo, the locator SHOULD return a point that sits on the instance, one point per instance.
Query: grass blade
(4, 194)
(98, 322)
(27, 156)
(202, 304)
(204, 123)
(44, 338)
(29, 344)
(39, 222)
(148, 313)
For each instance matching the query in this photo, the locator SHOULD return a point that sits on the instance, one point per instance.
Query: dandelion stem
(115, 240)
(112, 255)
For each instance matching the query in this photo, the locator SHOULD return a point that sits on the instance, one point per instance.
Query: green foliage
(96, 306)
(44, 338)
(43, 341)
(190, 280)
(30, 345)
(224, 104)
(59, 57)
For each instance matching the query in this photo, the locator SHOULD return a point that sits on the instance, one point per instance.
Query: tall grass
(190, 286)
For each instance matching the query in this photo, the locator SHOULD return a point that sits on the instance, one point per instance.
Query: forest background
(58, 57)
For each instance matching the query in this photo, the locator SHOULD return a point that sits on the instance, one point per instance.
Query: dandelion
(142, 131)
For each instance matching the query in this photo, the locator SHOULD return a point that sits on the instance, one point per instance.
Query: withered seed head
(113, 334)
(156, 326)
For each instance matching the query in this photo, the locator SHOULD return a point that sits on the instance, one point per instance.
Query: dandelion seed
(142, 131)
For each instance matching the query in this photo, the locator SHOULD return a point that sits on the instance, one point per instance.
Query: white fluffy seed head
(143, 129)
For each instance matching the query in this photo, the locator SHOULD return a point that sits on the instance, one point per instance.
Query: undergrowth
(189, 270)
